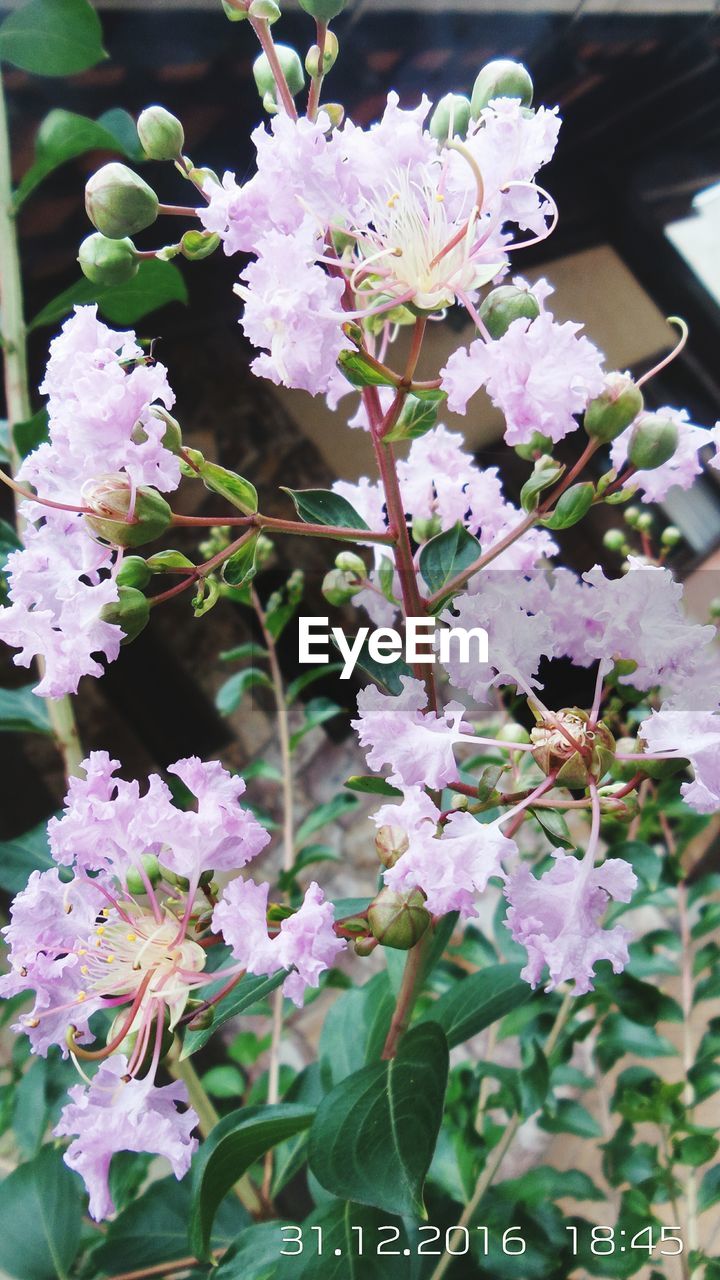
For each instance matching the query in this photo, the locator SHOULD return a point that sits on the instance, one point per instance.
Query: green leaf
(322, 506)
(387, 674)
(296, 687)
(374, 1134)
(317, 711)
(234, 488)
(475, 1002)
(570, 1117)
(224, 1081)
(319, 817)
(231, 693)
(709, 1190)
(235, 1143)
(40, 1219)
(52, 37)
(307, 857)
(571, 506)
(63, 136)
(417, 416)
(534, 1082)
(31, 433)
(23, 855)
(447, 554)
(155, 284)
(163, 561)
(250, 991)
(697, 1149)
(241, 651)
(542, 477)
(9, 542)
(370, 784)
(341, 1224)
(355, 1029)
(554, 825)
(620, 1036)
(240, 568)
(253, 1255)
(154, 1228)
(4, 440)
(22, 711)
(361, 373)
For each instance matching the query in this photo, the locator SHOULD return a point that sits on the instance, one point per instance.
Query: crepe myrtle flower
(121, 925)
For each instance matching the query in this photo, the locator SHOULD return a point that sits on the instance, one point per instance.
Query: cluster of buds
(501, 78)
(573, 750)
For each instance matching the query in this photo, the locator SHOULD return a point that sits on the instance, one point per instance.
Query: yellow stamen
(81, 995)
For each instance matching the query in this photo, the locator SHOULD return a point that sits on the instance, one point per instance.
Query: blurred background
(637, 180)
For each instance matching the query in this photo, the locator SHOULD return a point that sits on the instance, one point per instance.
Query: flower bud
(349, 562)
(266, 10)
(512, 733)
(618, 404)
(233, 14)
(537, 445)
(505, 304)
(335, 113)
(460, 803)
(323, 10)
(136, 885)
(196, 245)
(107, 262)
(644, 522)
(631, 516)
(622, 808)
(653, 441)
(329, 58)
(161, 134)
(130, 612)
(270, 104)
(398, 920)
(133, 572)
(119, 202)
(426, 527)
(172, 439)
(292, 68)
(501, 79)
(338, 587)
(365, 946)
(391, 843)
(451, 118)
(110, 498)
(202, 1020)
(670, 536)
(574, 765)
(614, 540)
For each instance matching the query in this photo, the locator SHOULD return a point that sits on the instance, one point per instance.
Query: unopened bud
(202, 1020)
(621, 808)
(610, 413)
(537, 444)
(714, 608)
(505, 304)
(569, 748)
(512, 733)
(161, 134)
(365, 946)
(292, 69)
(391, 843)
(172, 438)
(130, 612)
(614, 540)
(653, 441)
(671, 536)
(631, 516)
(133, 572)
(323, 10)
(270, 103)
(108, 262)
(119, 202)
(451, 118)
(232, 13)
(398, 920)
(459, 803)
(266, 10)
(351, 563)
(339, 588)
(426, 527)
(313, 65)
(136, 883)
(501, 79)
(196, 245)
(110, 498)
(335, 113)
(644, 522)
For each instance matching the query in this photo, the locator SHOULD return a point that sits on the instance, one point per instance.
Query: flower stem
(409, 988)
(17, 397)
(261, 27)
(317, 81)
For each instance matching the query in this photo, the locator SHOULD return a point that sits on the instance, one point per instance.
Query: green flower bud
(232, 13)
(172, 439)
(349, 562)
(644, 522)
(614, 409)
(365, 946)
(329, 58)
(134, 881)
(671, 536)
(119, 202)
(202, 1020)
(451, 118)
(631, 516)
(270, 104)
(505, 304)
(266, 10)
(425, 527)
(161, 134)
(512, 733)
(107, 262)
(537, 445)
(391, 843)
(398, 920)
(653, 441)
(292, 68)
(133, 572)
(130, 612)
(196, 245)
(338, 587)
(323, 10)
(574, 766)
(335, 113)
(714, 608)
(620, 809)
(614, 540)
(109, 498)
(501, 79)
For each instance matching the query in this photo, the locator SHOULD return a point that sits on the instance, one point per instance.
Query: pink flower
(558, 918)
(519, 633)
(116, 1113)
(417, 744)
(539, 373)
(691, 735)
(452, 868)
(681, 470)
(305, 942)
(510, 145)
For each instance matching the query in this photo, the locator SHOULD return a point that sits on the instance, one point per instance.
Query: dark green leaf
(322, 506)
(9, 542)
(387, 674)
(620, 1036)
(417, 416)
(248, 650)
(52, 37)
(534, 1082)
(250, 991)
(697, 1149)
(319, 817)
(475, 1002)
(23, 855)
(355, 1029)
(40, 1218)
(296, 687)
(374, 1135)
(370, 784)
(231, 693)
(307, 857)
(155, 284)
(28, 435)
(22, 711)
(241, 567)
(447, 554)
(570, 1117)
(554, 824)
(571, 506)
(341, 1225)
(253, 1255)
(162, 561)
(317, 711)
(235, 1143)
(709, 1191)
(541, 478)
(63, 135)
